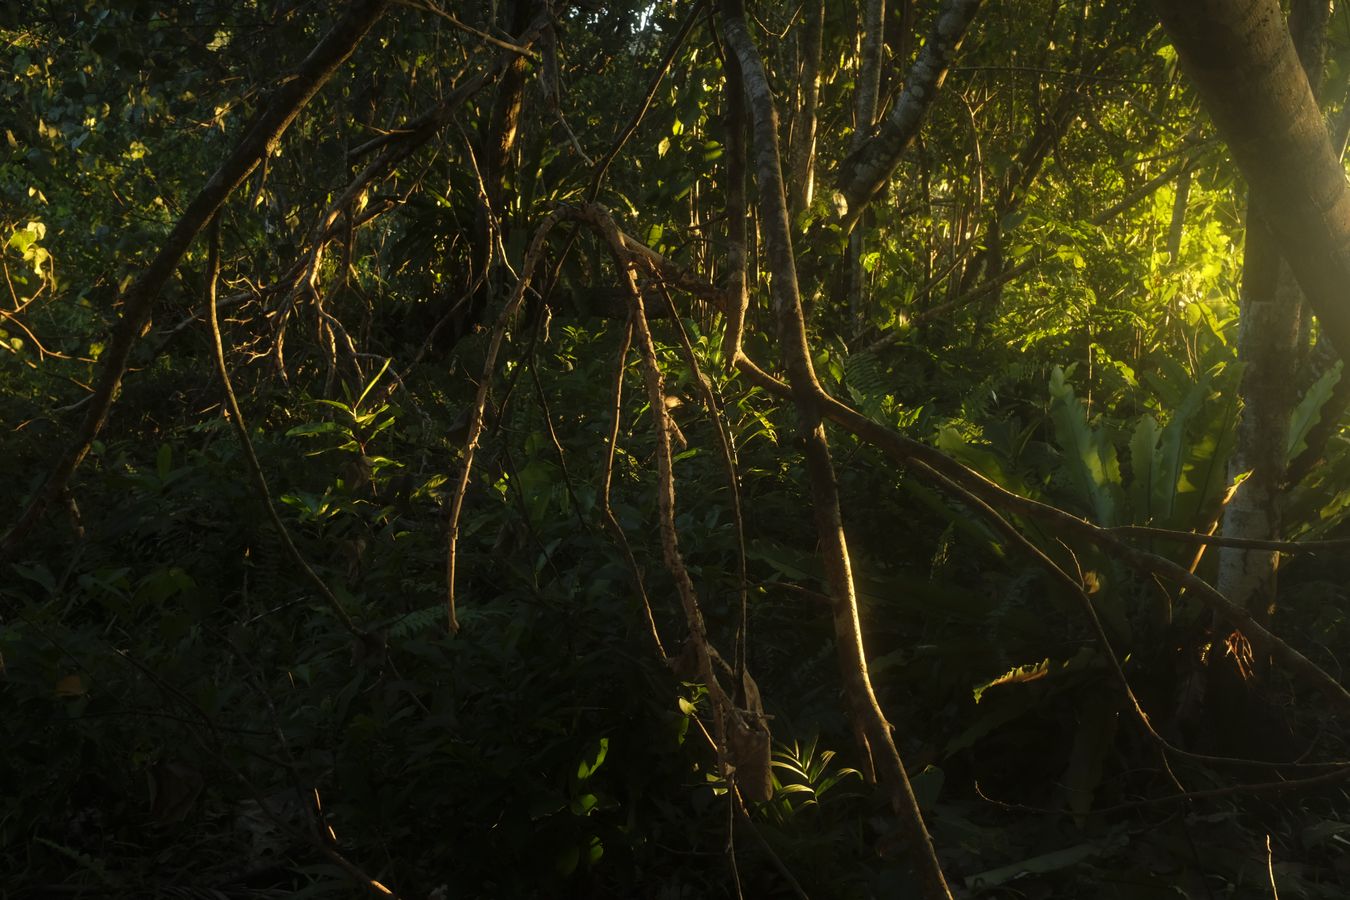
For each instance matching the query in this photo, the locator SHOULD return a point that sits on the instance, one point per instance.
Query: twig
(261, 136)
(607, 480)
(1270, 869)
(636, 119)
(254, 466)
(532, 257)
(1256, 789)
(427, 6)
(1191, 537)
(729, 465)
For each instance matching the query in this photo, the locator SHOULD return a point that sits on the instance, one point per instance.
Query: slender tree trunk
(803, 152)
(866, 96)
(1178, 227)
(738, 210)
(808, 397)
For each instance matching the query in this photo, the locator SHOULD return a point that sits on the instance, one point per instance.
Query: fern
(418, 620)
(867, 384)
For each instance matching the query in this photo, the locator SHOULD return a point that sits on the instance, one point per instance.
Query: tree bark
(1268, 346)
(865, 170)
(738, 209)
(1241, 57)
(808, 396)
(803, 151)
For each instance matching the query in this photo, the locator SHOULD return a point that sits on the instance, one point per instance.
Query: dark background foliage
(183, 715)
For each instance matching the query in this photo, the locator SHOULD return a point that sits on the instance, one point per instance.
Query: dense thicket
(672, 449)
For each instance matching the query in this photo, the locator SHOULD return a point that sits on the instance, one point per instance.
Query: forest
(674, 449)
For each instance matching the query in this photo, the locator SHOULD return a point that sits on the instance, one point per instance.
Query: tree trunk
(1242, 59)
(862, 175)
(1268, 347)
(803, 152)
(808, 397)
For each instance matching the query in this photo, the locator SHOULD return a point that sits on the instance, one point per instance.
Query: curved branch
(260, 138)
(905, 450)
(251, 456)
(865, 170)
(476, 414)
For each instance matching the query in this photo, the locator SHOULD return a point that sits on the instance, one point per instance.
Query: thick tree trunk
(1268, 346)
(1242, 59)
(1275, 83)
(871, 40)
(1267, 339)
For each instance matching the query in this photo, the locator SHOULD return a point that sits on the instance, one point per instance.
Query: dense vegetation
(398, 503)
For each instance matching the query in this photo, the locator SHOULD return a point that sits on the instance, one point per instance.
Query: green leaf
(586, 768)
(38, 574)
(373, 381)
(1144, 463)
(1171, 455)
(162, 584)
(1015, 675)
(314, 428)
(1092, 741)
(565, 863)
(1309, 410)
(928, 786)
(582, 804)
(1090, 461)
